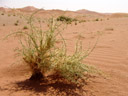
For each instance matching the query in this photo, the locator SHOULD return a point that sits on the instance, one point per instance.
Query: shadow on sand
(55, 88)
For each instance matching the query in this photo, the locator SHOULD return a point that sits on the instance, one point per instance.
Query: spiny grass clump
(9, 15)
(16, 23)
(97, 19)
(81, 21)
(40, 53)
(75, 23)
(109, 29)
(3, 24)
(14, 14)
(2, 13)
(66, 19)
(25, 27)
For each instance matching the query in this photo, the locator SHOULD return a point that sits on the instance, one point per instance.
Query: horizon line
(63, 9)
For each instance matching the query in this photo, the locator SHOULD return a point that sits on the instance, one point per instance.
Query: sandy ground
(110, 56)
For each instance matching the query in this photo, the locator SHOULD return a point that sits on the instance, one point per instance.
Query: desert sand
(110, 54)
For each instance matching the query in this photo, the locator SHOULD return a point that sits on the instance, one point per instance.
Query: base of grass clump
(36, 76)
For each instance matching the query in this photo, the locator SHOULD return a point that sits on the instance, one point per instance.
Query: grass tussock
(16, 24)
(14, 14)
(40, 53)
(66, 19)
(109, 29)
(2, 13)
(25, 27)
(97, 19)
(3, 24)
(9, 15)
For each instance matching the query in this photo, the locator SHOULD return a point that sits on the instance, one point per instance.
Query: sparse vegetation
(97, 19)
(81, 21)
(17, 21)
(68, 20)
(109, 29)
(16, 24)
(25, 27)
(2, 13)
(9, 15)
(3, 24)
(14, 14)
(75, 23)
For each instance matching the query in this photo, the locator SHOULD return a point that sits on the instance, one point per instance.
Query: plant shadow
(54, 88)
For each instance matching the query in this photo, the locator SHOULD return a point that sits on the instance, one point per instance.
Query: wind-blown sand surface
(110, 56)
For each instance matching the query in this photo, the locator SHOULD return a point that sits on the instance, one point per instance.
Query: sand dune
(4, 9)
(119, 15)
(84, 11)
(28, 9)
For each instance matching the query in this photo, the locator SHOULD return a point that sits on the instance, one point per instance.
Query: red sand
(110, 56)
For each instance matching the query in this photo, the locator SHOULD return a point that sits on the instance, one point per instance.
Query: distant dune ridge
(58, 11)
(28, 8)
(4, 9)
(84, 11)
